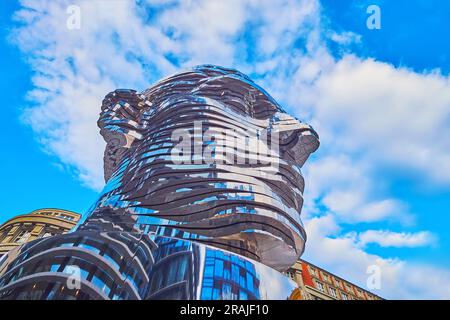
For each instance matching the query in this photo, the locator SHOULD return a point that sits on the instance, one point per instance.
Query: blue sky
(377, 191)
(411, 33)
(412, 36)
(32, 178)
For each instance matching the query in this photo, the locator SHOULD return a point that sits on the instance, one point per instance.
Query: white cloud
(371, 115)
(393, 115)
(385, 238)
(344, 256)
(345, 38)
(71, 77)
(346, 188)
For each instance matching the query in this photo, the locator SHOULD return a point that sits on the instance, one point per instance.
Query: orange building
(316, 283)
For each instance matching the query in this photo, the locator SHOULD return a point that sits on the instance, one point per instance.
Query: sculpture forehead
(227, 87)
(230, 87)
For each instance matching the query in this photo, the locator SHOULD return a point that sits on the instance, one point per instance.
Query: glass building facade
(202, 200)
(229, 276)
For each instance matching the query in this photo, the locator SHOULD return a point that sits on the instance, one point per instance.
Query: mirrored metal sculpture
(202, 199)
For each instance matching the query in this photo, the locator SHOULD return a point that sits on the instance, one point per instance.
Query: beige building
(316, 283)
(37, 224)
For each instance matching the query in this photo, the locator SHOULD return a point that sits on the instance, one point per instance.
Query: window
(319, 286)
(313, 271)
(66, 217)
(338, 283)
(333, 292)
(344, 296)
(291, 274)
(54, 268)
(23, 236)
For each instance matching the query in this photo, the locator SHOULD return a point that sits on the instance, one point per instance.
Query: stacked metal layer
(250, 207)
(202, 199)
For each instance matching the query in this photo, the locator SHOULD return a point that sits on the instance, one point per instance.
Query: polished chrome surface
(202, 199)
(248, 207)
(136, 266)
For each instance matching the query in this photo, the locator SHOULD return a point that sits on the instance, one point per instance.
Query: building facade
(315, 283)
(203, 197)
(35, 225)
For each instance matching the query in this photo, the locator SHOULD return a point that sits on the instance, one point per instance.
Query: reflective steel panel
(125, 265)
(202, 200)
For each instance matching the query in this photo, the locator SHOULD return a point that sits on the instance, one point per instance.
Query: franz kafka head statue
(205, 155)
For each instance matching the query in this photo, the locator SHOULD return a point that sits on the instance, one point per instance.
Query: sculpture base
(122, 265)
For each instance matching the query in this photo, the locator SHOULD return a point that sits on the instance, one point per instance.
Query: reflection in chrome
(124, 265)
(165, 229)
